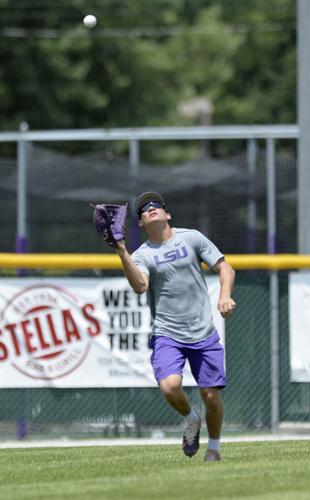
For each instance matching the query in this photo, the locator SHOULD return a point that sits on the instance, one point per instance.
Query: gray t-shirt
(178, 294)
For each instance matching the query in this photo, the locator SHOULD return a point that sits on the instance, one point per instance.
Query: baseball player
(168, 267)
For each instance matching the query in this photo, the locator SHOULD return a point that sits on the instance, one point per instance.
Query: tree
(144, 58)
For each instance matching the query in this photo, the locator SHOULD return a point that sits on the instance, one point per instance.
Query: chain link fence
(225, 198)
(142, 412)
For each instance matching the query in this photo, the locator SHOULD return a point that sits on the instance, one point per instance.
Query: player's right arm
(138, 280)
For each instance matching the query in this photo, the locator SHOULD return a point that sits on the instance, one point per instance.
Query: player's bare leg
(171, 387)
(214, 419)
(214, 411)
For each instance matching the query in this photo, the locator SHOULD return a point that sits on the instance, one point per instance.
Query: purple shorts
(206, 359)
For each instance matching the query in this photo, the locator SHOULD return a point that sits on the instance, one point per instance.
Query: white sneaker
(191, 435)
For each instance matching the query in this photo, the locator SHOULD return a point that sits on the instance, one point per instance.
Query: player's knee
(212, 399)
(170, 385)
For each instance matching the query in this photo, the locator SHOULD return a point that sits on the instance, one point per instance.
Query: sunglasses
(147, 206)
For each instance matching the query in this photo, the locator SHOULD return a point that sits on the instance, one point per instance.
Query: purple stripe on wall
(134, 233)
(21, 244)
(21, 247)
(272, 243)
(251, 240)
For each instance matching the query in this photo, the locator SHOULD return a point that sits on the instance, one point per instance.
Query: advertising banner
(78, 332)
(299, 326)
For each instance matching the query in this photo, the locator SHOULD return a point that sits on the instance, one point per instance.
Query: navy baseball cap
(146, 197)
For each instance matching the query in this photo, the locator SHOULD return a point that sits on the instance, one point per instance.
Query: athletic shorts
(206, 359)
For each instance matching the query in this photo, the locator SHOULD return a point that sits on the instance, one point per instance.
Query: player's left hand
(110, 222)
(226, 306)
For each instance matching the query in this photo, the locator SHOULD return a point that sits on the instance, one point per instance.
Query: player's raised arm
(138, 281)
(110, 222)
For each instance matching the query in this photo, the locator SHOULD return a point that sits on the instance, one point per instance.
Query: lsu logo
(171, 256)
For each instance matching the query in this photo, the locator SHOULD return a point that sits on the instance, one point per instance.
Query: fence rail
(157, 133)
(111, 261)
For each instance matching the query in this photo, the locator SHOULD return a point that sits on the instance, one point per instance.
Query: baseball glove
(110, 222)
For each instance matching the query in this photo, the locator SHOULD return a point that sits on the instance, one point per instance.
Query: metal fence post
(134, 160)
(21, 236)
(21, 247)
(274, 348)
(273, 285)
(252, 216)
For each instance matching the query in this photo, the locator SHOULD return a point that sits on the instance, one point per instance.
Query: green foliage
(145, 58)
(263, 89)
(205, 51)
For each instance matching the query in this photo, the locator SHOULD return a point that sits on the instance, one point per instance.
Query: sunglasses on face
(147, 206)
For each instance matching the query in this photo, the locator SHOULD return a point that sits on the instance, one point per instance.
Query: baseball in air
(90, 21)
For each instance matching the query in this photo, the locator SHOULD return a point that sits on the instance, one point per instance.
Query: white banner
(299, 326)
(78, 332)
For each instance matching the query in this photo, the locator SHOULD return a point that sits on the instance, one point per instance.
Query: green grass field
(259, 470)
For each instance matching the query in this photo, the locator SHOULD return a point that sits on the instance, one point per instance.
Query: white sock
(191, 417)
(214, 444)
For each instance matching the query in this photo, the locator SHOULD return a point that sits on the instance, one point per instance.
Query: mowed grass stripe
(260, 470)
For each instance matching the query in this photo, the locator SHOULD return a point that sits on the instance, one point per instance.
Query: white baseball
(90, 21)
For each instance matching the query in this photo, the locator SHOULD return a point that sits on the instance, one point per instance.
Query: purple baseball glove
(110, 222)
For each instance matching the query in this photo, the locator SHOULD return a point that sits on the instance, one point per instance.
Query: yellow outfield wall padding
(269, 262)
(112, 261)
(60, 261)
